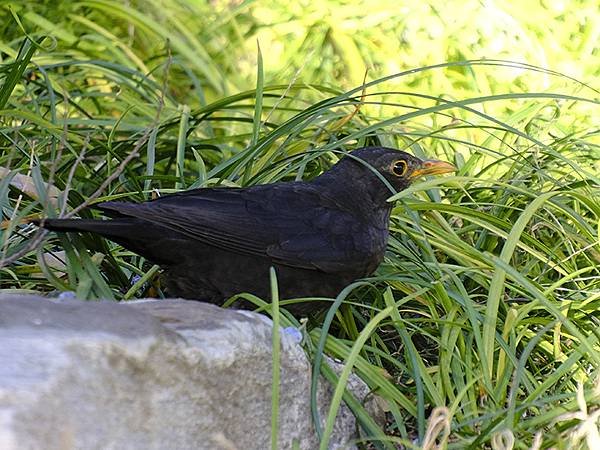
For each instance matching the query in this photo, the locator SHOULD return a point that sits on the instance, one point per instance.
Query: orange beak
(432, 167)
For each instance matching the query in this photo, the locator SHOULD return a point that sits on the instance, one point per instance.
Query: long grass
(480, 329)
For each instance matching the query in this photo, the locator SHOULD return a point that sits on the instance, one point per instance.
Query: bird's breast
(378, 245)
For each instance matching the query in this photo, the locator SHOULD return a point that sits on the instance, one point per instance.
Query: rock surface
(155, 374)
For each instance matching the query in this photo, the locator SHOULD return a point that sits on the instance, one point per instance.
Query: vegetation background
(481, 328)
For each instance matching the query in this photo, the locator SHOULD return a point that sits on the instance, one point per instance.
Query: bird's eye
(399, 168)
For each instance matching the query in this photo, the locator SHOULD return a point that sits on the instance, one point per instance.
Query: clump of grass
(484, 315)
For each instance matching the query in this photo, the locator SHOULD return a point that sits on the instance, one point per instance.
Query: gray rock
(166, 374)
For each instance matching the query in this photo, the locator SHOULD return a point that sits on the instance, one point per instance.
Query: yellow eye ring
(399, 168)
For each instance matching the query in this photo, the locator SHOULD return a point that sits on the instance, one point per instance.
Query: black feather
(320, 235)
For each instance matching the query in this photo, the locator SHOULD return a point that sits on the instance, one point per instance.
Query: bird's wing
(292, 223)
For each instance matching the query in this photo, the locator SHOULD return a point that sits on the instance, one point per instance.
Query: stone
(152, 374)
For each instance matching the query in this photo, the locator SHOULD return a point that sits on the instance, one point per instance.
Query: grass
(480, 329)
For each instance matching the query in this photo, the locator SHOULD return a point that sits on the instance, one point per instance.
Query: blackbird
(319, 235)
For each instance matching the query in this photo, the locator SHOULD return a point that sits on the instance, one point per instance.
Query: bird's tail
(134, 234)
(107, 228)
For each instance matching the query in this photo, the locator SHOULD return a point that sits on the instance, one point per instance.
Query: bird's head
(400, 169)
(367, 177)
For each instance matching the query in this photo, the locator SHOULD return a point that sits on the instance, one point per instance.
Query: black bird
(320, 235)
